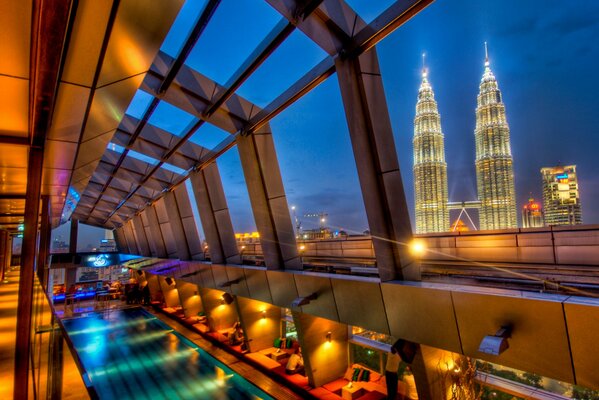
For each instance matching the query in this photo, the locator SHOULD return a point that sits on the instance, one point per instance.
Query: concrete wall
(220, 316)
(325, 361)
(189, 297)
(260, 321)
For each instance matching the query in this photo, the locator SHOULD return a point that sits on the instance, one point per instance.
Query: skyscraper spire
(430, 169)
(494, 164)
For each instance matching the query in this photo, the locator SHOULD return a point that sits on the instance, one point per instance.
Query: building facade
(532, 214)
(430, 169)
(561, 196)
(494, 164)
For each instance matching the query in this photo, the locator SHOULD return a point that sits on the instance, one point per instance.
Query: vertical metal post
(28, 261)
(140, 236)
(268, 199)
(44, 247)
(372, 140)
(156, 240)
(73, 236)
(214, 214)
(3, 245)
(174, 219)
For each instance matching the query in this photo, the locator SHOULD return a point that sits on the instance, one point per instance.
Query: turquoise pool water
(130, 354)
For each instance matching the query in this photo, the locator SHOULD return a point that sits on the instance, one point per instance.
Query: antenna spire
(424, 65)
(486, 55)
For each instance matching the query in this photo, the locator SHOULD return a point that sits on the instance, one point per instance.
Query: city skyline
(544, 61)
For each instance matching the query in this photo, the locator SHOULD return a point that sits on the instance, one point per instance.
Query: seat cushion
(335, 385)
(324, 394)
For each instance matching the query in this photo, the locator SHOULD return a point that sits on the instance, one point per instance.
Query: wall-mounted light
(328, 337)
(496, 344)
(195, 292)
(226, 298)
(140, 272)
(263, 314)
(169, 281)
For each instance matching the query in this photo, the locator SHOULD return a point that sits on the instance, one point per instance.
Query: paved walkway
(73, 388)
(9, 294)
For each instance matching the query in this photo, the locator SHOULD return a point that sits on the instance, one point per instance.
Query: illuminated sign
(561, 176)
(21, 227)
(101, 260)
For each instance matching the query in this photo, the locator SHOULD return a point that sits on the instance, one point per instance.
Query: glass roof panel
(142, 157)
(209, 136)
(292, 60)
(368, 9)
(189, 14)
(219, 52)
(171, 119)
(140, 103)
(173, 168)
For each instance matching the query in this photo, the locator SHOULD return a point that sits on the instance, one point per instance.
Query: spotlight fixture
(227, 298)
(302, 301)
(496, 344)
(169, 281)
(263, 314)
(140, 272)
(328, 337)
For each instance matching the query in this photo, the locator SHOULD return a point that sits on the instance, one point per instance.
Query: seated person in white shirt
(296, 363)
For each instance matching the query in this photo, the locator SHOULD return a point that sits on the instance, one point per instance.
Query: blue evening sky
(542, 53)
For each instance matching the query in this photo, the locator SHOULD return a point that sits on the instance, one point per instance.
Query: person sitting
(236, 337)
(295, 364)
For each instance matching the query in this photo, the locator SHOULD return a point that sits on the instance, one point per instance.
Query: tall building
(494, 169)
(430, 169)
(560, 196)
(532, 215)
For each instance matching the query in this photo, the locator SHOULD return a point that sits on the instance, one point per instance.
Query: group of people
(136, 294)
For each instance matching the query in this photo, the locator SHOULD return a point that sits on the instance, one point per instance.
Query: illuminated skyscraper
(560, 195)
(430, 169)
(494, 169)
(532, 215)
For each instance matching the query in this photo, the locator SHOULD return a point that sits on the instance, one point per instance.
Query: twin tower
(494, 169)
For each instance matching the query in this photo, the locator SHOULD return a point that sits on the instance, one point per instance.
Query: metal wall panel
(324, 306)
(236, 274)
(539, 341)
(582, 317)
(420, 314)
(189, 298)
(258, 284)
(220, 316)
(282, 288)
(219, 272)
(366, 309)
(170, 293)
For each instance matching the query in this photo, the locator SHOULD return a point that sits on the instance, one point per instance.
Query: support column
(119, 237)
(73, 236)
(370, 131)
(174, 219)
(28, 261)
(434, 373)
(157, 246)
(269, 203)
(130, 237)
(44, 245)
(140, 236)
(324, 360)
(214, 214)
(3, 245)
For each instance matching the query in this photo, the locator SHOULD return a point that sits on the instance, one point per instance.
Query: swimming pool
(130, 354)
